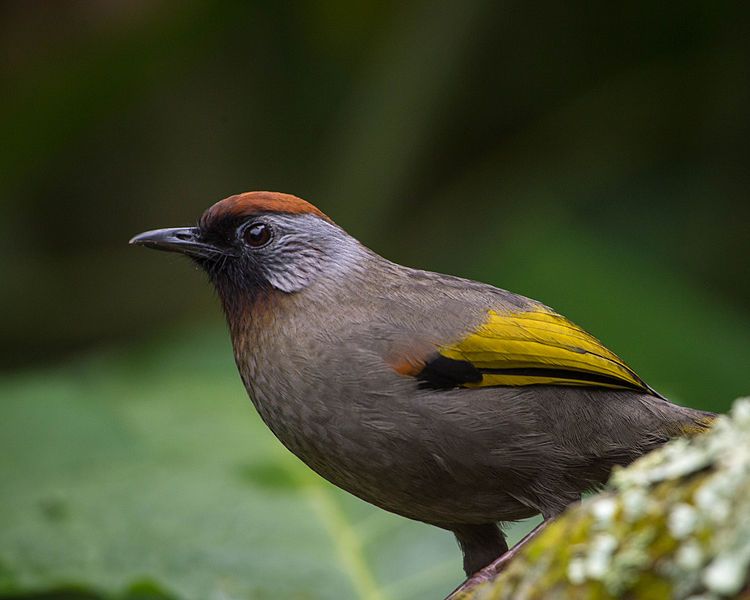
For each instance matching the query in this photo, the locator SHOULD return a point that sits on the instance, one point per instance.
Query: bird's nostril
(183, 236)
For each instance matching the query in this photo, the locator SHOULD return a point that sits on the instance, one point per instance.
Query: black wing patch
(441, 373)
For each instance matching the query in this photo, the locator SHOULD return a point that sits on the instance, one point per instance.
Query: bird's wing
(532, 347)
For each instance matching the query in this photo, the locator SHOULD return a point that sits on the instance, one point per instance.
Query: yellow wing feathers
(539, 347)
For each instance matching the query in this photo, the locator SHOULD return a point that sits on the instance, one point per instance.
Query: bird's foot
(486, 574)
(496, 567)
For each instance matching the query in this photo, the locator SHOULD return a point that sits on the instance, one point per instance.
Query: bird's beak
(185, 240)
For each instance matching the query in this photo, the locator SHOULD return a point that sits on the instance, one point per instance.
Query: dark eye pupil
(257, 235)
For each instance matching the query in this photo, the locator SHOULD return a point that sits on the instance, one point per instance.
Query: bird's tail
(700, 423)
(690, 422)
(679, 421)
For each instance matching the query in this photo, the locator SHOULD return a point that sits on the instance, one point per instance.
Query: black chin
(233, 275)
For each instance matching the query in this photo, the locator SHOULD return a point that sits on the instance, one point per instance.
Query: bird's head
(260, 242)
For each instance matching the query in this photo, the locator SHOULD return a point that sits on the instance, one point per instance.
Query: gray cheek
(289, 282)
(294, 274)
(310, 250)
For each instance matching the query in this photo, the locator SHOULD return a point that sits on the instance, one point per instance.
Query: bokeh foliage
(437, 133)
(592, 156)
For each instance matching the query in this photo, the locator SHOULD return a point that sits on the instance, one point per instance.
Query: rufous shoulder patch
(408, 367)
(250, 203)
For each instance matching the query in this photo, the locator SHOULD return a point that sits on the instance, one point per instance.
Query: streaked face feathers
(269, 240)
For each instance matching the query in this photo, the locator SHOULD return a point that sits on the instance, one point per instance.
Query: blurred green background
(591, 155)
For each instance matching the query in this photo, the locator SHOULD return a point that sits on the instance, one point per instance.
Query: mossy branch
(675, 524)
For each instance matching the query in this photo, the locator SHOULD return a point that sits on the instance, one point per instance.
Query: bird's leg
(480, 544)
(492, 569)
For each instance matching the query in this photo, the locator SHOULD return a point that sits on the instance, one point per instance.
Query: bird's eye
(257, 235)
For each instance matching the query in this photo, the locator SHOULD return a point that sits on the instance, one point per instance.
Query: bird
(443, 400)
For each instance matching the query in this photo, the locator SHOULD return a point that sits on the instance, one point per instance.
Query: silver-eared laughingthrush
(440, 399)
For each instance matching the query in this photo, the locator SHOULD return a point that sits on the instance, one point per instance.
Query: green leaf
(148, 475)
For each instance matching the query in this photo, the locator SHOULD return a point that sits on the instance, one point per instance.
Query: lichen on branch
(673, 525)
